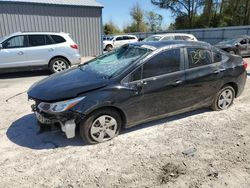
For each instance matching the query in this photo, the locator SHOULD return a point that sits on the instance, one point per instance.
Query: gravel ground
(197, 149)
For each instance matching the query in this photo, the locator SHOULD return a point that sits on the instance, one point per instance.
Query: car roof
(124, 35)
(169, 34)
(176, 43)
(38, 33)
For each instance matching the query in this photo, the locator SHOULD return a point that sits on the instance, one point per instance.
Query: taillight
(245, 64)
(74, 46)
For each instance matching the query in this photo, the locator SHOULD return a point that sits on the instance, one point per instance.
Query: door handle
(20, 53)
(177, 82)
(51, 49)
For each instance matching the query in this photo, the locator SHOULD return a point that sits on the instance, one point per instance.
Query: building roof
(85, 3)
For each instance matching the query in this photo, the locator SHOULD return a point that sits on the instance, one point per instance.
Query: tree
(154, 21)
(181, 8)
(138, 24)
(110, 28)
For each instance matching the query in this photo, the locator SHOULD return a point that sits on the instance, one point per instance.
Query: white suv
(170, 36)
(116, 41)
(38, 50)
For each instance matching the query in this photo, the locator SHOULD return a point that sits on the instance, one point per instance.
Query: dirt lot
(197, 149)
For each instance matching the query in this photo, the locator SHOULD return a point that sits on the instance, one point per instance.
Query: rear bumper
(241, 82)
(75, 59)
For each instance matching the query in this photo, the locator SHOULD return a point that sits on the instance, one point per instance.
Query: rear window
(198, 57)
(58, 39)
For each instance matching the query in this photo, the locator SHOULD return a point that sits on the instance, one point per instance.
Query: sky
(118, 11)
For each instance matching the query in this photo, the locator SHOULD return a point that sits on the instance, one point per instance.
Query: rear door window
(119, 38)
(163, 63)
(58, 39)
(37, 40)
(186, 38)
(178, 37)
(168, 38)
(198, 57)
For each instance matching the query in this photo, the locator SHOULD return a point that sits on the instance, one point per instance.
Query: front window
(163, 63)
(15, 42)
(113, 63)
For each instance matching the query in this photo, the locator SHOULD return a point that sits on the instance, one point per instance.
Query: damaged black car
(239, 46)
(138, 83)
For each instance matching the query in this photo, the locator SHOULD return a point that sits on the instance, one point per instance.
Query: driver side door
(158, 85)
(13, 53)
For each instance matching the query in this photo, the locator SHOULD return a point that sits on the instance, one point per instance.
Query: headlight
(59, 106)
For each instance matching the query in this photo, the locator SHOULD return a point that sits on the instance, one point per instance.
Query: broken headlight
(59, 106)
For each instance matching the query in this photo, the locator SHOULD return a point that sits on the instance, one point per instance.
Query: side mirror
(1, 46)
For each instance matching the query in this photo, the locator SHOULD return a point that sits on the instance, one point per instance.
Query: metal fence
(210, 35)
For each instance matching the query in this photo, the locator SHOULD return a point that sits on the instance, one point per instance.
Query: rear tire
(224, 98)
(100, 126)
(58, 64)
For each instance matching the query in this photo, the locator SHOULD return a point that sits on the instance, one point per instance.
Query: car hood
(66, 85)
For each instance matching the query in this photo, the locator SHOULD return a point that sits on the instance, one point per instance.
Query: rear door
(202, 76)
(14, 52)
(41, 49)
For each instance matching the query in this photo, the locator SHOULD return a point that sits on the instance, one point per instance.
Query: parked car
(170, 36)
(138, 83)
(38, 50)
(117, 41)
(239, 46)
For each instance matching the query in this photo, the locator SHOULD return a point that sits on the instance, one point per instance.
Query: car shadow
(25, 132)
(165, 120)
(24, 74)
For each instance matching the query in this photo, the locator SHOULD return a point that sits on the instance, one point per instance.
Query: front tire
(109, 48)
(58, 65)
(224, 98)
(100, 126)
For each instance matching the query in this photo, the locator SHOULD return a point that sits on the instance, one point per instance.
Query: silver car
(33, 50)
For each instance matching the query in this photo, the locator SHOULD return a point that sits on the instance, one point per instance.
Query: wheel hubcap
(104, 128)
(225, 99)
(59, 66)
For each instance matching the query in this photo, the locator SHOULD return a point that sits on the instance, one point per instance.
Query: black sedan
(138, 83)
(239, 46)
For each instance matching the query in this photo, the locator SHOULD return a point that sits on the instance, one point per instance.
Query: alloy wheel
(103, 128)
(225, 99)
(59, 66)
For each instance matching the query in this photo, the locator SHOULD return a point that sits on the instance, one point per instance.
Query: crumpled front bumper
(67, 120)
